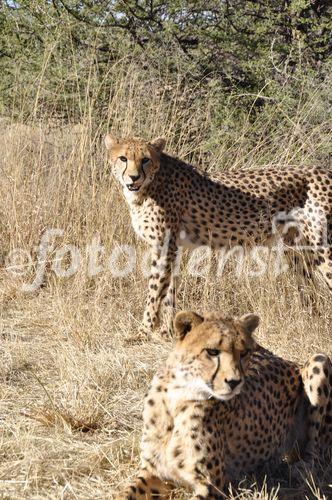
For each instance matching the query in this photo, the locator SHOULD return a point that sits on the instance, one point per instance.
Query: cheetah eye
(213, 352)
(123, 158)
(145, 160)
(245, 353)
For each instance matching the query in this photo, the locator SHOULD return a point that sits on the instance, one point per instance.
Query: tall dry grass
(71, 388)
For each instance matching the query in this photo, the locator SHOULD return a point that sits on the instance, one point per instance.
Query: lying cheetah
(173, 204)
(222, 405)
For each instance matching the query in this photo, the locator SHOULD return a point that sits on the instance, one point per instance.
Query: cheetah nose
(233, 383)
(134, 178)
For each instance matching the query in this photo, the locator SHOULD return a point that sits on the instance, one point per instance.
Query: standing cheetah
(173, 204)
(222, 405)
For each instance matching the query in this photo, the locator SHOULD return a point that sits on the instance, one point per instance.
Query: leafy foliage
(52, 51)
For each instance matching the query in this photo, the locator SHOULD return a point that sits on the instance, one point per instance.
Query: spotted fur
(223, 405)
(172, 205)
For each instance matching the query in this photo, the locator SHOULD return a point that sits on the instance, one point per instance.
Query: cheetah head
(134, 161)
(212, 353)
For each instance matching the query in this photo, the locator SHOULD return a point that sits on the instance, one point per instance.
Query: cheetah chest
(137, 224)
(141, 222)
(157, 446)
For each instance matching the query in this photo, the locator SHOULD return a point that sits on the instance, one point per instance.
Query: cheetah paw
(140, 336)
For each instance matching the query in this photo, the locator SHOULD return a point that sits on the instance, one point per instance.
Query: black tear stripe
(144, 174)
(123, 173)
(242, 370)
(215, 373)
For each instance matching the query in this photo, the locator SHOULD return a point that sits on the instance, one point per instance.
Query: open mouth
(133, 187)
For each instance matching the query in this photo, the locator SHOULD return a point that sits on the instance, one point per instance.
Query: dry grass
(71, 388)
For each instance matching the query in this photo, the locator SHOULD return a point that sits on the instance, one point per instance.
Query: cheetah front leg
(163, 261)
(317, 378)
(145, 487)
(169, 306)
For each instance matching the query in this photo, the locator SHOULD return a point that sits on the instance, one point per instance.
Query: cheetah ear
(185, 321)
(110, 141)
(248, 322)
(159, 144)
